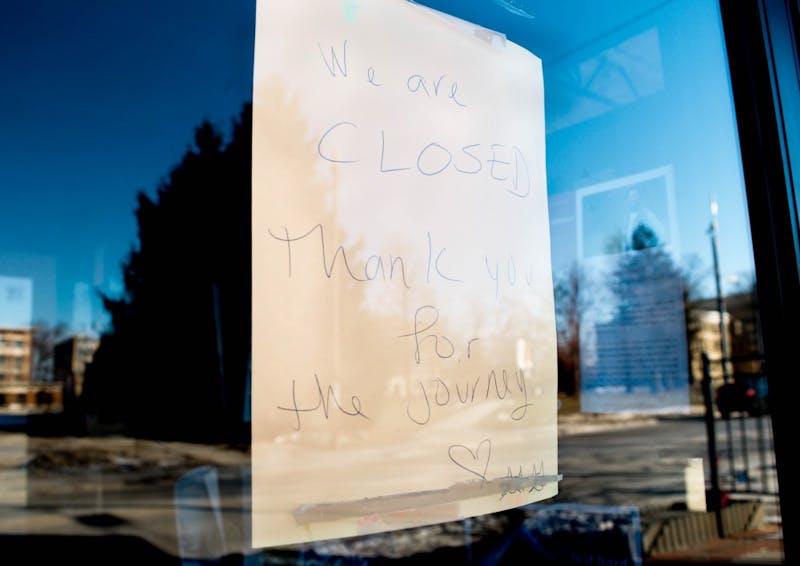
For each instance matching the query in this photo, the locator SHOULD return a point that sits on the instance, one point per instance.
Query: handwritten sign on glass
(404, 350)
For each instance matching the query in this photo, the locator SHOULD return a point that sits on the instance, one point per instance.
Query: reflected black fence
(739, 427)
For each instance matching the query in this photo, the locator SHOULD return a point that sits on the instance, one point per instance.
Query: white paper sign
(404, 350)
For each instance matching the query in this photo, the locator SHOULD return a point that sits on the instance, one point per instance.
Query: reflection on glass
(631, 213)
(16, 302)
(620, 75)
(636, 361)
(125, 282)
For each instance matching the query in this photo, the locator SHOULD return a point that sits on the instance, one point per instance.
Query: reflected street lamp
(712, 230)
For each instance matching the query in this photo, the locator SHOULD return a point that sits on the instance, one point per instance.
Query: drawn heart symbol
(473, 462)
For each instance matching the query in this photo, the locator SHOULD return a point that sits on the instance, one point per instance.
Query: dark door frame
(761, 39)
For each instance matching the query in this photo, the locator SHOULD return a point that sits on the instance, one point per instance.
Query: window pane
(125, 289)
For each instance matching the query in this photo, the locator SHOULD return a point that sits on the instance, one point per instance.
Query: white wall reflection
(585, 88)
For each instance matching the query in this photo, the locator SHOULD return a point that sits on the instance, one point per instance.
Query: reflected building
(704, 325)
(742, 330)
(71, 358)
(19, 393)
(16, 366)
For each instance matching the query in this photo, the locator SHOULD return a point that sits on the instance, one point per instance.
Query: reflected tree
(570, 299)
(644, 237)
(692, 275)
(44, 340)
(652, 263)
(649, 261)
(639, 279)
(645, 344)
(174, 363)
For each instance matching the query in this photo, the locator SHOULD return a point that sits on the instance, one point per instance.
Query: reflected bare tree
(570, 297)
(44, 340)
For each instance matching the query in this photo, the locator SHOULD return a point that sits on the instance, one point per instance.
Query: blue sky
(100, 99)
(633, 89)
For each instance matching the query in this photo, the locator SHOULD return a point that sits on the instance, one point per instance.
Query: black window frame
(761, 38)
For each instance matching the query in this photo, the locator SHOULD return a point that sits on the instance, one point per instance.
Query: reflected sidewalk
(587, 423)
(131, 484)
(760, 546)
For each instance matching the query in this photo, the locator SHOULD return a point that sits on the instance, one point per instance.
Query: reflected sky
(631, 88)
(100, 100)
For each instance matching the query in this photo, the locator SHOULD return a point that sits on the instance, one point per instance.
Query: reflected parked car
(745, 394)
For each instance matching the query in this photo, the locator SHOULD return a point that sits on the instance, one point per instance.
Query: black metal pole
(723, 335)
(762, 453)
(715, 496)
(745, 456)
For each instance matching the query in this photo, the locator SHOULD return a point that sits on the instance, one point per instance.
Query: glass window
(125, 272)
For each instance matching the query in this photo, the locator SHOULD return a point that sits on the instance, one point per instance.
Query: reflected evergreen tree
(644, 237)
(650, 292)
(175, 363)
(648, 262)
(651, 262)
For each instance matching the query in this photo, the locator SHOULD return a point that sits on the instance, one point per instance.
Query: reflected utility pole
(723, 337)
